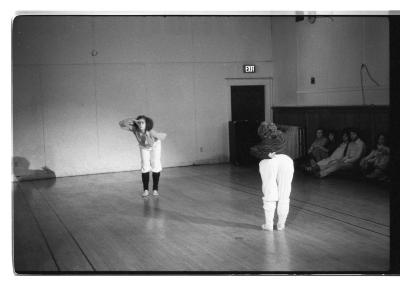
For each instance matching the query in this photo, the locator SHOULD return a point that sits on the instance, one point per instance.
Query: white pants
(151, 158)
(276, 175)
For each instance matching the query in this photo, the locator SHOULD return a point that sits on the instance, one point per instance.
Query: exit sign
(249, 68)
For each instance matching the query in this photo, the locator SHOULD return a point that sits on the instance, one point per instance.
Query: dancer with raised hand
(150, 149)
(276, 170)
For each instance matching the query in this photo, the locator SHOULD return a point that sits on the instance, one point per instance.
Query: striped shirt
(145, 139)
(272, 144)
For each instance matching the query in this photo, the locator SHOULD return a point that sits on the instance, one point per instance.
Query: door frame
(268, 92)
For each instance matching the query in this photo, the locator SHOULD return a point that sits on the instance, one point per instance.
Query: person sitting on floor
(351, 157)
(331, 146)
(316, 152)
(335, 156)
(374, 165)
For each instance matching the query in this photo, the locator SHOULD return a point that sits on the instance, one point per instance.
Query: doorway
(248, 103)
(248, 110)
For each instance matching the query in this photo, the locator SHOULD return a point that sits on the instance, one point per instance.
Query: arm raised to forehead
(127, 124)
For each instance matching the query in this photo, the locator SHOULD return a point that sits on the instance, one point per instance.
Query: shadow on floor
(23, 173)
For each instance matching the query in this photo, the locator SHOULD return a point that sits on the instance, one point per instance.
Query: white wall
(332, 52)
(284, 46)
(67, 103)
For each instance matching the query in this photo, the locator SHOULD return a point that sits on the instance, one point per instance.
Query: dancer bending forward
(150, 149)
(276, 170)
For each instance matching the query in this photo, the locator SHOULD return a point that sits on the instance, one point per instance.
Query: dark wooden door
(248, 103)
(248, 110)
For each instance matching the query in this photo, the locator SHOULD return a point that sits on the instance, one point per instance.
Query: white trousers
(151, 158)
(276, 175)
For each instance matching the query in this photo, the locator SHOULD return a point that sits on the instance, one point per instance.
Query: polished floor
(207, 218)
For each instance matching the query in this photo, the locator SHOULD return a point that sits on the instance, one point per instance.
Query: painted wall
(331, 50)
(67, 102)
(284, 47)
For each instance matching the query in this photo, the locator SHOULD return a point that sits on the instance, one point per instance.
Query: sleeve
(260, 152)
(386, 150)
(325, 148)
(338, 152)
(313, 145)
(357, 154)
(125, 124)
(370, 155)
(283, 128)
(159, 135)
(278, 145)
(383, 162)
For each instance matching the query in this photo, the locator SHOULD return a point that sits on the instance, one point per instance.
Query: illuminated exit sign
(249, 68)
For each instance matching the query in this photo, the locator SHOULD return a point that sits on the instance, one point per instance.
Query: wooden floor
(207, 219)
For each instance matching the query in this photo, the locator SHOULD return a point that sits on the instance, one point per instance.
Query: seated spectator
(353, 154)
(332, 144)
(335, 156)
(316, 152)
(375, 164)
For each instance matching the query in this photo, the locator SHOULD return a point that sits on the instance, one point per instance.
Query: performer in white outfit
(276, 170)
(150, 149)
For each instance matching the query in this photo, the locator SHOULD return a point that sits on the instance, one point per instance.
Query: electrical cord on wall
(364, 66)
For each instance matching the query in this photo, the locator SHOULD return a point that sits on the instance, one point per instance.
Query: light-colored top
(379, 157)
(145, 139)
(335, 156)
(339, 152)
(382, 150)
(354, 151)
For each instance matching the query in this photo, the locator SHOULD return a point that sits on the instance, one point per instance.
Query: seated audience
(375, 164)
(335, 156)
(352, 155)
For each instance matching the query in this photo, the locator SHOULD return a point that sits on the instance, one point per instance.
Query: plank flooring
(207, 219)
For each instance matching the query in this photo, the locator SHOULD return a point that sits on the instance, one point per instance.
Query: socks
(145, 180)
(156, 178)
(282, 211)
(269, 210)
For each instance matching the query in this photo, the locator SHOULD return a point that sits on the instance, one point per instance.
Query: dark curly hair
(384, 136)
(148, 120)
(266, 130)
(355, 130)
(346, 131)
(332, 131)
